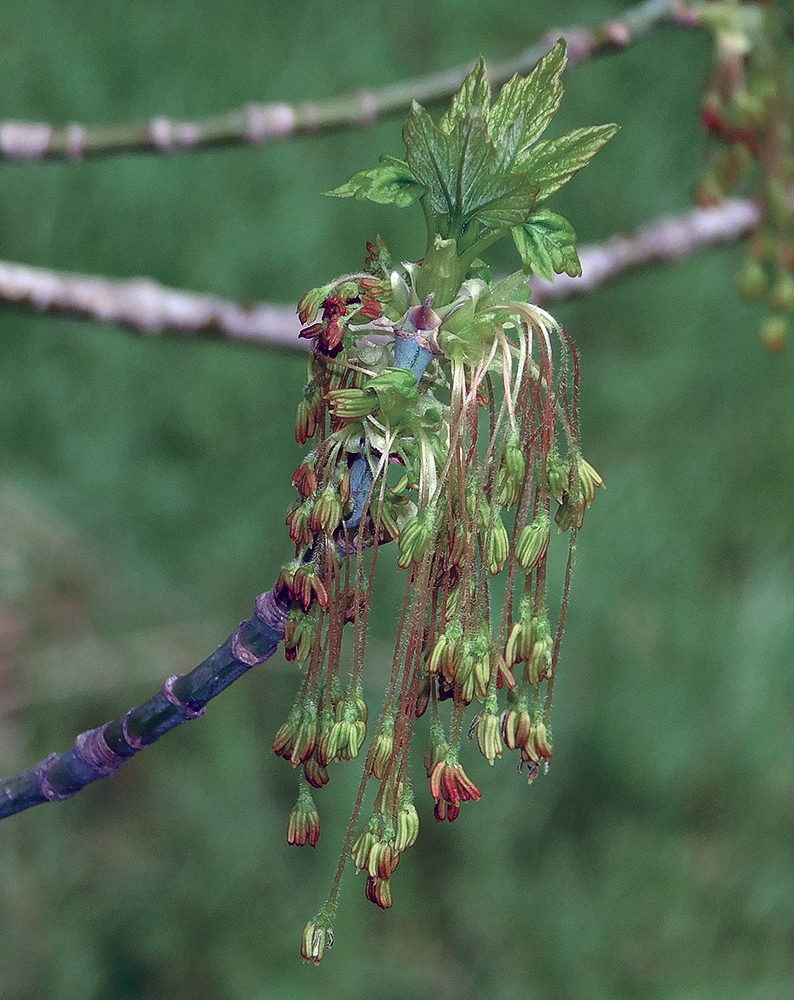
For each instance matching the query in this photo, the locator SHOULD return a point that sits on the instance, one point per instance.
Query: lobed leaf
(553, 162)
(475, 91)
(526, 105)
(546, 242)
(503, 200)
(392, 183)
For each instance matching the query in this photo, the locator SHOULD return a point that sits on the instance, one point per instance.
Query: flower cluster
(441, 407)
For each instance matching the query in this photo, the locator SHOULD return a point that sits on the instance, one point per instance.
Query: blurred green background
(143, 490)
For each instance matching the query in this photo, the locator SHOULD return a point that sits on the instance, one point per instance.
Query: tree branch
(149, 308)
(99, 753)
(258, 123)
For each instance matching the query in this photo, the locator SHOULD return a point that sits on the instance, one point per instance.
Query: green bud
(774, 333)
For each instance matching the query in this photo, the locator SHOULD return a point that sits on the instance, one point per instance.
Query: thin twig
(149, 308)
(99, 753)
(258, 123)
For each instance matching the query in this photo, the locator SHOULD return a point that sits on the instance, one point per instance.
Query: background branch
(259, 123)
(150, 308)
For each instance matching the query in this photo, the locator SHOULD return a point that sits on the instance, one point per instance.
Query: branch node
(75, 141)
(170, 695)
(92, 749)
(242, 653)
(47, 789)
(265, 121)
(134, 742)
(272, 611)
(161, 134)
(24, 140)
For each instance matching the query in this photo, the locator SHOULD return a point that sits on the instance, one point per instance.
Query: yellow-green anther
(590, 481)
(489, 739)
(557, 475)
(382, 749)
(539, 659)
(513, 645)
(327, 511)
(533, 542)
(417, 538)
(498, 546)
(511, 472)
(317, 936)
(362, 846)
(352, 404)
(407, 827)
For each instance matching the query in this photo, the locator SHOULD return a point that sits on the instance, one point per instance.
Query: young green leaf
(530, 103)
(474, 92)
(546, 242)
(454, 166)
(553, 162)
(499, 201)
(433, 159)
(392, 183)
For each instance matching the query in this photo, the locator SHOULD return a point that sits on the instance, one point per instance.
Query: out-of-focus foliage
(143, 489)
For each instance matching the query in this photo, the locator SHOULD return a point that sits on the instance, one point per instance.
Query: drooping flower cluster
(442, 410)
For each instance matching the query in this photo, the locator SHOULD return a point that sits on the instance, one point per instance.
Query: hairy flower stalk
(441, 407)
